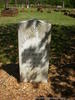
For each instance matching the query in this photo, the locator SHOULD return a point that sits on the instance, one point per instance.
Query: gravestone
(34, 43)
(9, 12)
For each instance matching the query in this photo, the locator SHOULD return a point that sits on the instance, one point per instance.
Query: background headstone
(34, 42)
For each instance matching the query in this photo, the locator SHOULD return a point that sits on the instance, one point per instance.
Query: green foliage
(68, 3)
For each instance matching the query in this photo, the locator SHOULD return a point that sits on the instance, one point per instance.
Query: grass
(53, 17)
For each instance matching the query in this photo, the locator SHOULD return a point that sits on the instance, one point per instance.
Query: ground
(60, 84)
(61, 77)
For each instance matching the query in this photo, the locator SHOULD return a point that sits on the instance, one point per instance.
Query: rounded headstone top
(31, 27)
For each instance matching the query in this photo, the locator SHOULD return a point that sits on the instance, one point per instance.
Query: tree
(15, 3)
(63, 4)
(72, 3)
(6, 4)
(27, 3)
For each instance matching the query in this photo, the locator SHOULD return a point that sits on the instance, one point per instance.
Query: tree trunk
(63, 4)
(6, 4)
(27, 3)
(15, 3)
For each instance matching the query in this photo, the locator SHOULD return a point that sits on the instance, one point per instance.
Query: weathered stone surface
(34, 42)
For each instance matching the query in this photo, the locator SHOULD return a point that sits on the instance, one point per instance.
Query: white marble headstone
(34, 41)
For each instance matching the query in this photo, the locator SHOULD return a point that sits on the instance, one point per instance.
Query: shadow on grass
(62, 45)
(9, 43)
(63, 39)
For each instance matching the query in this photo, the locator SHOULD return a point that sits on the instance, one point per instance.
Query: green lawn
(53, 17)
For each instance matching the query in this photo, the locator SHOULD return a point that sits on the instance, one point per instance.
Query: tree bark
(27, 3)
(6, 4)
(15, 3)
(63, 4)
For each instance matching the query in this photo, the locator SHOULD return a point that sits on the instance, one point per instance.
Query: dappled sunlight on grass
(62, 43)
(8, 43)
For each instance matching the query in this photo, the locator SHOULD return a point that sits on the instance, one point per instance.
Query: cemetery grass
(53, 17)
(61, 76)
